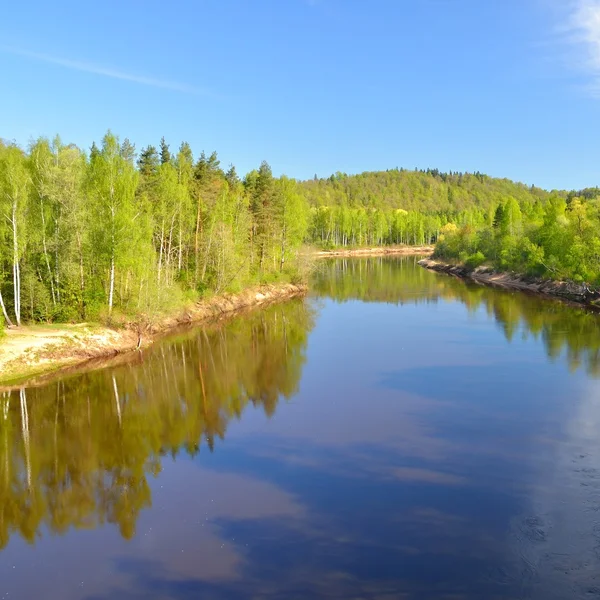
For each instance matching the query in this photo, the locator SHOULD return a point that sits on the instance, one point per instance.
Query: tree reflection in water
(78, 452)
(563, 328)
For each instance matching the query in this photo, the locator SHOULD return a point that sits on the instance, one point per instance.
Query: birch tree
(292, 225)
(112, 184)
(14, 190)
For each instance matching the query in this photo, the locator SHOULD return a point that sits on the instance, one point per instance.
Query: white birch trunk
(4, 312)
(16, 268)
(160, 254)
(45, 247)
(111, 290)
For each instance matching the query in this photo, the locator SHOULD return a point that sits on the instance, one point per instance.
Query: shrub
(475, 260)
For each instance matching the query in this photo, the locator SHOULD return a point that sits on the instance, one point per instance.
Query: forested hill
(116, 230)
(427, 191)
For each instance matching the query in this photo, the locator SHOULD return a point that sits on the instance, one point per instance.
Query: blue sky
(506, 87)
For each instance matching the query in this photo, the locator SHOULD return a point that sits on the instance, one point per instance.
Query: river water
(398, 434)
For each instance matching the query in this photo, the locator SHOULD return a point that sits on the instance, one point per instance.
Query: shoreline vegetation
(567, 291)
(35, 354)
(120, 237)
(549, 247)
(109, 233)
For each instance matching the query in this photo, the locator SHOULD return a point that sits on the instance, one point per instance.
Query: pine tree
(165, 155)
(232, 177)
(128, 151)
(148, 161)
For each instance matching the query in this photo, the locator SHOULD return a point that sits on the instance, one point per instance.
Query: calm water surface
(399, 434)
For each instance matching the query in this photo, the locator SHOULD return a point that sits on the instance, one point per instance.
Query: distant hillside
(427, 191)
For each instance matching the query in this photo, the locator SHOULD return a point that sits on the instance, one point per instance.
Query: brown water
(399, 434)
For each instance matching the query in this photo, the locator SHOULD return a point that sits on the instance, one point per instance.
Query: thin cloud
(86, 67)
(582, 30)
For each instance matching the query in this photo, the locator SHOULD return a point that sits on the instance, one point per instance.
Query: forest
(556, 239)
(86, 235)
(111, 232)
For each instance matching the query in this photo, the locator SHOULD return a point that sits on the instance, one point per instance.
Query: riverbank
(563, 290)
(376, 251)
(34, 351)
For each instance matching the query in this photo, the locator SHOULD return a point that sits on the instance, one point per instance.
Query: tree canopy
(87, 235)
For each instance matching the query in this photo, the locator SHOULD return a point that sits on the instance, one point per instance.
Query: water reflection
(78, 453)
(422, 456)
(564, 330)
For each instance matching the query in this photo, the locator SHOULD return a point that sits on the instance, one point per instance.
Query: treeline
(404, 207)
(557, 239)
(86, 234)
(80, 453)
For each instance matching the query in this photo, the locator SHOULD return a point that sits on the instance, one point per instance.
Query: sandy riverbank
(564, 290)
(32, 351)
(377, 251)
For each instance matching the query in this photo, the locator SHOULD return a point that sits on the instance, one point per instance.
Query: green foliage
(553, 239)
(86, 236)
(102, 237)
(411, 207)
(475, 260)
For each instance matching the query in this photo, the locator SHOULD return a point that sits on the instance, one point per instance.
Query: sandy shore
(377, 251)
(33, 351)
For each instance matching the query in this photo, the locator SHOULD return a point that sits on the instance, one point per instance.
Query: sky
(510, 88)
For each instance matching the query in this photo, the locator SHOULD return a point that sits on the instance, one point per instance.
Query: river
(397, 434)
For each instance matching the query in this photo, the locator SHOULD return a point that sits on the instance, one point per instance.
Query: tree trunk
(197, 239)
(160, 253)
(47, 258)
(57, 272)
(4, 312)
(111, 290)
(180, 249)
(81, 276)
(16, 268)
(283, 236)
(170, 249)
(205, 264)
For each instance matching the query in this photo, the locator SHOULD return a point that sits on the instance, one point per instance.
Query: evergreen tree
(165, 155)
(232, 177)
(128, 151)
(148, 161)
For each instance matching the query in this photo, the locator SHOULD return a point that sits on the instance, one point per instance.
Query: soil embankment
(376, 251)
(27, 352)
(563, 290)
